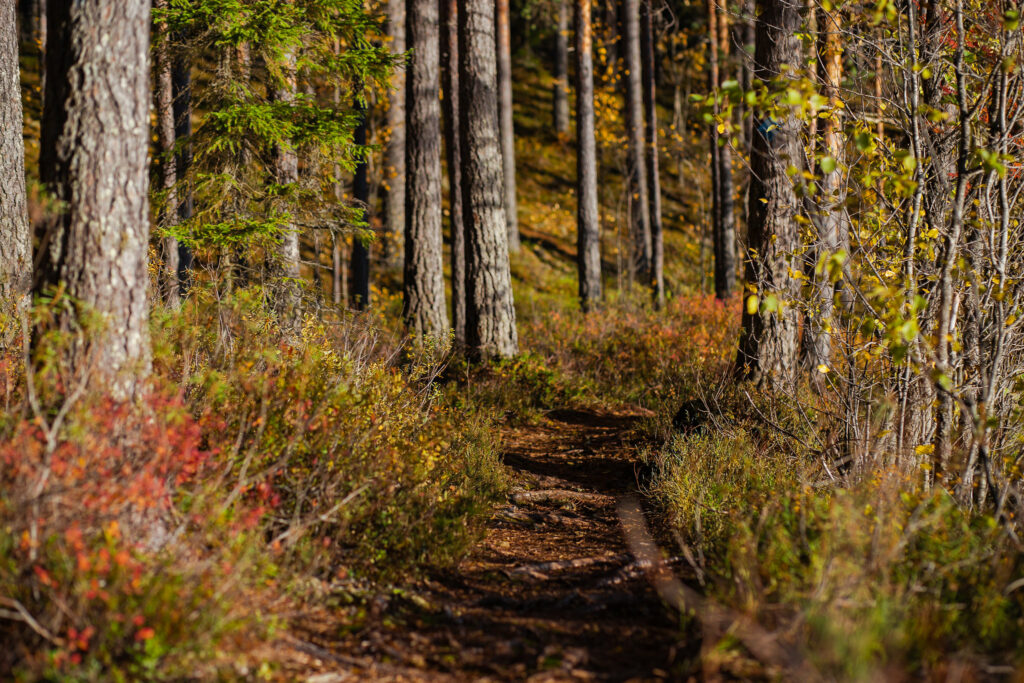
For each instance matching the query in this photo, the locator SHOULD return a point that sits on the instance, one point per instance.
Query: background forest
(527, 339)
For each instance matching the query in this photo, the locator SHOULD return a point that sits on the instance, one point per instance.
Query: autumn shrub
(340, 439)
(104, 572)
(873, 574)
(626, 353)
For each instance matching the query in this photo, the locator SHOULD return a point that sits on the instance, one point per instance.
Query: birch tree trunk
(286, 293)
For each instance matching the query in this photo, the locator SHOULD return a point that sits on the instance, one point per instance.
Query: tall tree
(424, 308)
(651, 135)
(287, 295)
(181, 93)
(506, 125)
(453, 152)
(490, 314)
(768, 344)
(359, 289)
(560, 84)
(394, 161)
(636, 184)
(15, 243)
(588, 227)
(170, 289)
(94, 144)
(831, 228)
(723, 224)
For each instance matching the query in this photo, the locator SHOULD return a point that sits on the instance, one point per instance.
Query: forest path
(551, 593)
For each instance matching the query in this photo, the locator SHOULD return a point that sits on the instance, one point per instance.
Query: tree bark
(560, 85)
(505, 113)
(490, 314)
(723, 210)
(394, 161)
(287, 295)
(636, 184)
(588, 227)
(817, 340)
(359, 289)
(170, 290)
(424, 308)
(15, 242)
(651, 135)
(95, 133)
(769, 343)
(450, 103)
(181, 92)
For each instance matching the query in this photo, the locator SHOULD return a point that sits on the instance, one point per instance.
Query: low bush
(876, 574)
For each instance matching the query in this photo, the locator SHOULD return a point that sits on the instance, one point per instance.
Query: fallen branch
(538, 570)
(715, 618)
(559, 495)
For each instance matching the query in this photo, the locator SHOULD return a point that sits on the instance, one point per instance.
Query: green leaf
(827, 165)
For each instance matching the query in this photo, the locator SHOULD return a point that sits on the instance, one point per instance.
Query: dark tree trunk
(560, 86)
(450, 102)
(724, 210)
(424, 309)
(287, 295)
(359, 288)
(170, 290)
(181, 92)
(15, 243)
(636, 184)
(768, 345)
(588, 227)
(613, 35)
(507, 132)
(95, 134)
(394, 161)
(490, 314)
(653, 172)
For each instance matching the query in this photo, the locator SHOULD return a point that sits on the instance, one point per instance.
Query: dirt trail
(550, 594)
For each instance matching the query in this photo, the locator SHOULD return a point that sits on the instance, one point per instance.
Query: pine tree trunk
(723, 223)
(651, 135)
(725, 232)
(817, 340)
(287, 296)
(394, 161)
(181, 92)
(170, 290)
(450, 103)
(95, 136)
(425, 311)
(490, 314)
(769, 342)
(636, 185)
(15, 243)
(359, 289)
(507, 131)
(560, 85)
(588, 227)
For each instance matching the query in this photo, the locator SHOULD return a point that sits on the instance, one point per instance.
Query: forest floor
(550, 593)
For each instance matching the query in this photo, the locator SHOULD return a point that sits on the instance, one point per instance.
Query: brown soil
(551, 593)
